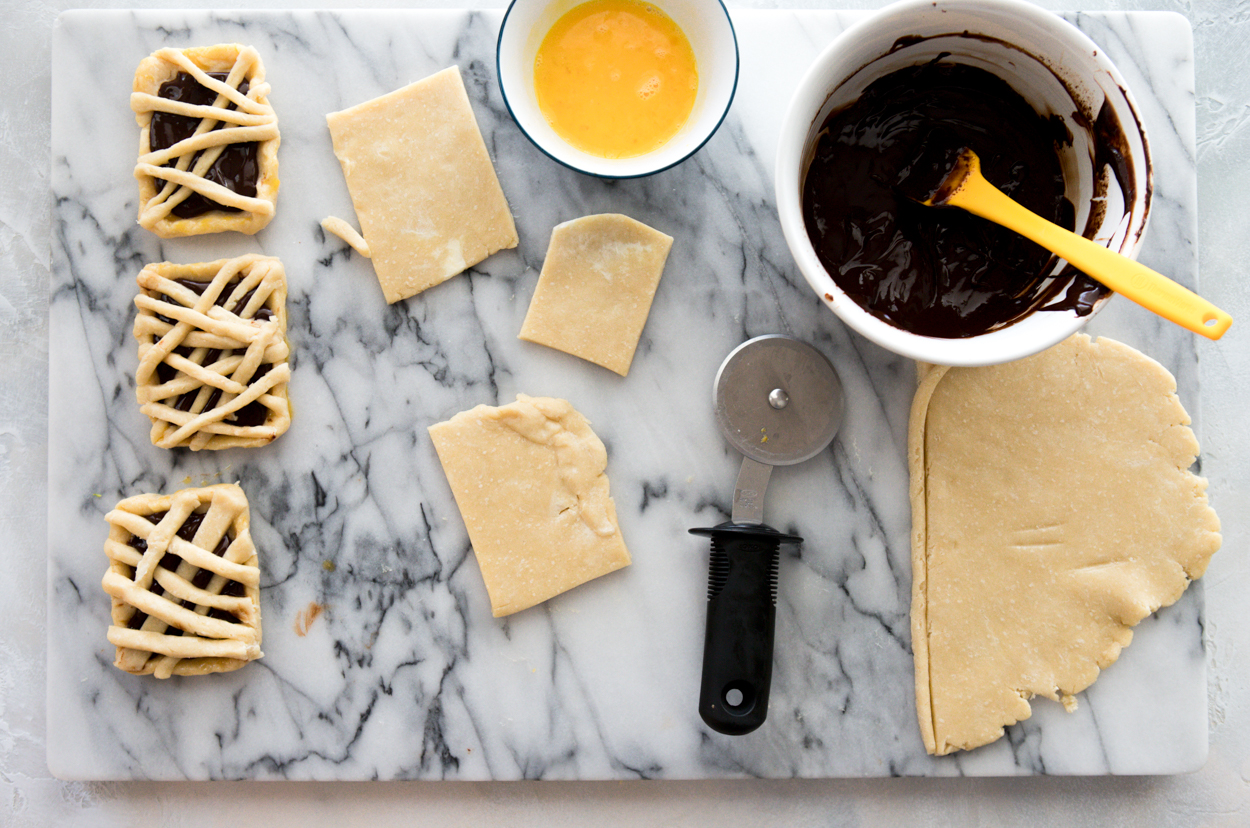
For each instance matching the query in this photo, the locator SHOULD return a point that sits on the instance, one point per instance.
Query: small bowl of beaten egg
(618, 88)
(1014, 83)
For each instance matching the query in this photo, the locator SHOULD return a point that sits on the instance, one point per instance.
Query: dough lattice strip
(199, 613)
(213, 364)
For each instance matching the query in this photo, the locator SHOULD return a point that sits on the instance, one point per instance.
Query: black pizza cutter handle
(741, 616)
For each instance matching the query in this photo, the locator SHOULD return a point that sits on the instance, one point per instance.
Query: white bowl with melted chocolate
(1022, 88)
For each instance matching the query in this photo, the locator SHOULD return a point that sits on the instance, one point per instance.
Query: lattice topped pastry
(208, 147)
(213, 367)
(185, 582)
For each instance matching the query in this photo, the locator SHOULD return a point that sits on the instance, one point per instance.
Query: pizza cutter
(779, 402)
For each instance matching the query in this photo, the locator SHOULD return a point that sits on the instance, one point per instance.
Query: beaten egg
(616, 78)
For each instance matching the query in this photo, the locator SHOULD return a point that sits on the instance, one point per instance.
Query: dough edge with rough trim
(529, 481)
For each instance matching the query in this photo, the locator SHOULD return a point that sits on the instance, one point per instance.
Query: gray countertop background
(1216, 795)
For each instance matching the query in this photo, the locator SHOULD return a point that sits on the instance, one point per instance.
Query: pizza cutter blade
(779, 402)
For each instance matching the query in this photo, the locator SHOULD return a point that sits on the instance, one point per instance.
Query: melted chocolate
(236, 169)
(943, 273)
(171, 562)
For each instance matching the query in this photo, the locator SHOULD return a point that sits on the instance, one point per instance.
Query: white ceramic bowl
(705, 23)
(1055, 67)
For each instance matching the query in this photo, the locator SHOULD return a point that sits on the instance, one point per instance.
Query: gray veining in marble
(406, 674)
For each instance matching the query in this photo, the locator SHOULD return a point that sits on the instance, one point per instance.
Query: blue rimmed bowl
(705, 23)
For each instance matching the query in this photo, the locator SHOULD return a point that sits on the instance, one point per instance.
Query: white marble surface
(1215, 794)
(406, 674)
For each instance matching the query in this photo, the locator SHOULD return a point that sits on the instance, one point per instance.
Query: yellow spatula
(964, 187)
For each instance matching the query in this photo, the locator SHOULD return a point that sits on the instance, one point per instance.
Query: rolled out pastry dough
(529, 481)
(1052, 510)
(425, 191)
(596, 287)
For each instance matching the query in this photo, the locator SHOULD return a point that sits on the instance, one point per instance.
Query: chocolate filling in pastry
(201, 579)
(252, 414)
(236, 168)
(213, 356)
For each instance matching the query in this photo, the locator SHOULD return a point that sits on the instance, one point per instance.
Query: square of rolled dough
(528, 478)
(596, 287)
(424, 188)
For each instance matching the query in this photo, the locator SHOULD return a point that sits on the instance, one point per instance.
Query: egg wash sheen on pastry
(616, 78)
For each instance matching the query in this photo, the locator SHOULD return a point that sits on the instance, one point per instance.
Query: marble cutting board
(405, 674)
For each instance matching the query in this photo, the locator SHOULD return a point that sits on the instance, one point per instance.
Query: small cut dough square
(236, 118)
(423, 186)
(529, 481)
(184, 579)
(1052, 510)
(596, 287)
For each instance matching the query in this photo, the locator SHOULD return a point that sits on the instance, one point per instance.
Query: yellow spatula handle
(1151, 290)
